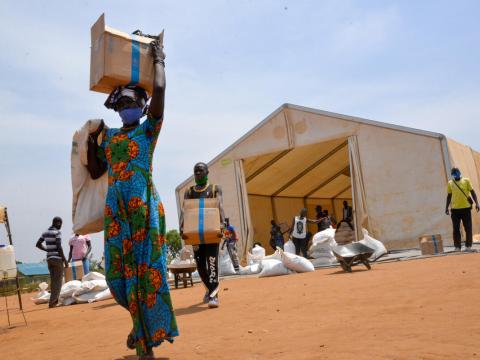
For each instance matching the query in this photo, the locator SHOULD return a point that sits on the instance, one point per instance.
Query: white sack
(67, 301)
(69, 288)
(84, 298)
(324, 236)
(289, 247)
(296, 263)
(250, 269)
(272, 267)
(276, 255)
(89, 195)
(225, 265)
(93, 275)
(89, 286)
(373, 244)
(258, 253)
(103, 295)
(42, 297)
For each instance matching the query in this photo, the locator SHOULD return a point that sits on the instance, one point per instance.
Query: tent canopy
(297, 157)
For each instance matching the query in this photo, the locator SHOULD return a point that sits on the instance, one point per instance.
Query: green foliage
(174, 244)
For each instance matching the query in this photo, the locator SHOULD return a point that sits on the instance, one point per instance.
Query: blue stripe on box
(135, 73)
(201, 218)
(435, 243)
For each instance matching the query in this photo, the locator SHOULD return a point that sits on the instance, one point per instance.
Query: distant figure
(230, 239)
(276, 236)
(80, 247)
(324, 222)
(299, 234)
(347, 212)
(55, 258)
(459, 190)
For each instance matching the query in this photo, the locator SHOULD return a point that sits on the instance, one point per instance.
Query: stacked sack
(344, 234)
(93, 287)
(321, 248)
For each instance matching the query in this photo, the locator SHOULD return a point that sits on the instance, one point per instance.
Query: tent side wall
(405, 179)
(468, 162)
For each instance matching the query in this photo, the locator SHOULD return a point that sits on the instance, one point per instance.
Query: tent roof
(279, 155)
(33, 269)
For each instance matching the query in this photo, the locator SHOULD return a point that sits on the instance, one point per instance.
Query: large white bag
(103, 295)
(296, 263)
(258, 253)
(84, 298)
(93, 275)
(289, 247)
(43, 296)
(250, 269)
(89, 286)
(374, 244)
(225, 264)
(272, 267)
(324, 236)
(69, 288)
(88, 195)
(277, 255)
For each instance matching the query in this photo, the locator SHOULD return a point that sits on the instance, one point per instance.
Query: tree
(174, 243)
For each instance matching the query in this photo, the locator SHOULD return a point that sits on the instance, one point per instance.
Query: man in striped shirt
(55, 258)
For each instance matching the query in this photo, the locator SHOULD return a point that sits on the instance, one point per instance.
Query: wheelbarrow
(352, 254)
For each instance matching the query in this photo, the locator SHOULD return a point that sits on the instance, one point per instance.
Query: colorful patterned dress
(135, 249)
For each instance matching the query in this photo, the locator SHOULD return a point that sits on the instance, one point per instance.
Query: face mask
(131, 116)
(457, 175)
(202, 181)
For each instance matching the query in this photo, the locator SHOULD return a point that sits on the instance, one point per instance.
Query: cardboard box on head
(201, 221)
(118, 58)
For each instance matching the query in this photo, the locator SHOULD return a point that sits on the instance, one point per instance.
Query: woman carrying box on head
(206, 255)
(135, 249)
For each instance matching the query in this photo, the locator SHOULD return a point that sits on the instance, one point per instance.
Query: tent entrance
(280, 184)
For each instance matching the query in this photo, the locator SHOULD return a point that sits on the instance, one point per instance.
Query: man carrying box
(206, 249)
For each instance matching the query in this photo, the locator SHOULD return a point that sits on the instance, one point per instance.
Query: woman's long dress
(135, 249)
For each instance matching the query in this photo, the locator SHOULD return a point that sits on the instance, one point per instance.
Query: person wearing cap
(135, 248)
(55, 258)
(459, 198)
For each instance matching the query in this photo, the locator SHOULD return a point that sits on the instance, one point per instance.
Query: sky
(229, 65)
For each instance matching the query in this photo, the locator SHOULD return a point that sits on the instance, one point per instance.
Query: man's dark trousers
(55, 266)
(465, 216)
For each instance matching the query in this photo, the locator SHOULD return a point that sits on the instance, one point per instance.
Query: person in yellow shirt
(460, 194)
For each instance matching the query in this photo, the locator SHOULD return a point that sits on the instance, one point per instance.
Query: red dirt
(422, 309)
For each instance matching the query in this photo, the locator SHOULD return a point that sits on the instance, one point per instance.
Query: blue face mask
(457, 175)
(130, 116)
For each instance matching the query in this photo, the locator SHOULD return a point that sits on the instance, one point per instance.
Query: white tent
(297, 157)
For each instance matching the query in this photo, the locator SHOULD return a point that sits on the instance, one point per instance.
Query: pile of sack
(279, 263)
(93, 287)
(321, 249)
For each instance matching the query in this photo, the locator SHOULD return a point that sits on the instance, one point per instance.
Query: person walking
(55, 258)
(459, 198)
(135, 247)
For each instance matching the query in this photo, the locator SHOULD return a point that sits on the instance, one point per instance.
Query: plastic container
(7, 262)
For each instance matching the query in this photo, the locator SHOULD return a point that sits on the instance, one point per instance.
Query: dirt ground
(421, 309)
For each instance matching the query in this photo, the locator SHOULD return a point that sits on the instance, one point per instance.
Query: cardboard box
(201, 221)
(118, 58)
(74, 271)
(431, 244)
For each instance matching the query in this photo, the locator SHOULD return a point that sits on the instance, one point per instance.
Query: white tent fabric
(301, 157)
